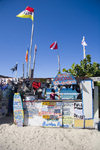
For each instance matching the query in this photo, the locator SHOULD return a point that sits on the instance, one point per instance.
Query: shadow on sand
(7, 120)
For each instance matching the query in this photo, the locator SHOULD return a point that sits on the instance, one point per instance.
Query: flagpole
(59, 70)
(26, 69)
(23, 70)
(34, 59)
(31, 49)
(84, 55)
(16, 75)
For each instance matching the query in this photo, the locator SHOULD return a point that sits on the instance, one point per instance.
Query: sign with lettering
(18, 110)
(78, 110)
(52, 113)
(47, 114)
(64, 79)
(68, 114)
(31, 113)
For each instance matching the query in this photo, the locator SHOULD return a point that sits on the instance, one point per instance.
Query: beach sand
(38, 138)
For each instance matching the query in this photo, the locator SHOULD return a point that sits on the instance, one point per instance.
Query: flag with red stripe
(27, 13)
(54, 45)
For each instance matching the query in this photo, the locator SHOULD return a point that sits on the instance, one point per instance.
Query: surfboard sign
(18, 110)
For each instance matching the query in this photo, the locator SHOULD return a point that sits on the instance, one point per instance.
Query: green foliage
(85, 68)
(59, 72)
(97, 83)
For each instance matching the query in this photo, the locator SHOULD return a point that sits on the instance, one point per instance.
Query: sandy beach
(38, 138)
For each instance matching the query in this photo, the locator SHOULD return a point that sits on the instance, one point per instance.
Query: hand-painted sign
(64, 79)
(18, 110)
(53, 117)
(78, 115)
(68, 114)
(78, 110)
(31, 113)
(47, 114)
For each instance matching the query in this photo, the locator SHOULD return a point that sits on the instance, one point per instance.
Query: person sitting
(53, 94)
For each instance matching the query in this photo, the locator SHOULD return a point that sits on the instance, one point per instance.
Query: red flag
(54, 45)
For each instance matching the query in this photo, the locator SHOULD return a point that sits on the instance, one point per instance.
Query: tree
(85, 68)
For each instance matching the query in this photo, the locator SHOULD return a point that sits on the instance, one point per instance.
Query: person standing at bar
(53, 95)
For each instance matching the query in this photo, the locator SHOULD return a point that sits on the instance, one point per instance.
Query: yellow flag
(27, 13)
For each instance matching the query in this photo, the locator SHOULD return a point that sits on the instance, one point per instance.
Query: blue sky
(64, 21)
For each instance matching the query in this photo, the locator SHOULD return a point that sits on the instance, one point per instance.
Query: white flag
(83, 42)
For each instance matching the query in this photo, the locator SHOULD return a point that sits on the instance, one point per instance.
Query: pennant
(27, 13)
(26, 58)
(54, 45)
(83, 42)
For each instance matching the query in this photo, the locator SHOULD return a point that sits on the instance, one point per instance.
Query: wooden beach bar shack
(76, 108)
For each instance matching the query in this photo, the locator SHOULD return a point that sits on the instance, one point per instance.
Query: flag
(27, 13)
(54, 45)
(14, 68)
(26, 58)
(83, 42)
(35, 48)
